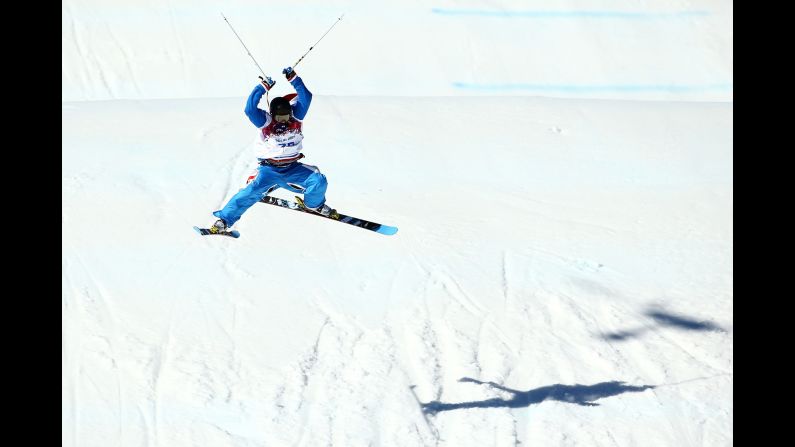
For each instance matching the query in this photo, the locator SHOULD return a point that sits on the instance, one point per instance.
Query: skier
(278, 151)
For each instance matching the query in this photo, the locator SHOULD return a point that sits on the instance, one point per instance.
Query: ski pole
(267, 78)
(321, 38)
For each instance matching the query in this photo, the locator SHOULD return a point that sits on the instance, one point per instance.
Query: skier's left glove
(289, 73)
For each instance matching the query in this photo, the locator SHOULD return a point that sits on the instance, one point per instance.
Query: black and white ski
(355, 221)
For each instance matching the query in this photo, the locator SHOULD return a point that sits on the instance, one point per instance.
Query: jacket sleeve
(257, 116)
(301, 105)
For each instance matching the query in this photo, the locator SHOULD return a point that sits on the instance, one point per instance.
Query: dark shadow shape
(623, 335)
(669, 319)
(583, 395)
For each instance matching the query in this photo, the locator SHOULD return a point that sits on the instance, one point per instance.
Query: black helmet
(280, 106)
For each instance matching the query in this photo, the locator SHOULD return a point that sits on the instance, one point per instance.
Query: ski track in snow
(459, 348)
(235, 177)
(98, 315)
(161, 358)
(126, 57)
(186, 75)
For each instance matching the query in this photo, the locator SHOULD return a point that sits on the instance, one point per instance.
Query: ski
(206, 232)
(355, 221)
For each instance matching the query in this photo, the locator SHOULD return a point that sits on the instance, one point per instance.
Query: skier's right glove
(267, 82)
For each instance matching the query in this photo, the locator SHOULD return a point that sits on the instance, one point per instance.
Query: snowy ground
(562, 275)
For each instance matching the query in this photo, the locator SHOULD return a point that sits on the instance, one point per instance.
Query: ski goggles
(281, 118)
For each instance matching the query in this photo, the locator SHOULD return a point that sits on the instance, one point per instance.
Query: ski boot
(324, 210)
(219, 227)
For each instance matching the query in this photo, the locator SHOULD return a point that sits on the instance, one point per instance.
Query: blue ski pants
(296, 177)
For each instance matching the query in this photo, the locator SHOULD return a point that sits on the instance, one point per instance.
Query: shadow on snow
(665, 319)
(584, 395)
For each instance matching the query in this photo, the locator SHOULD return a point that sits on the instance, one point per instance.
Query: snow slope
(542, 266)
(618, 49)
(562, 275)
